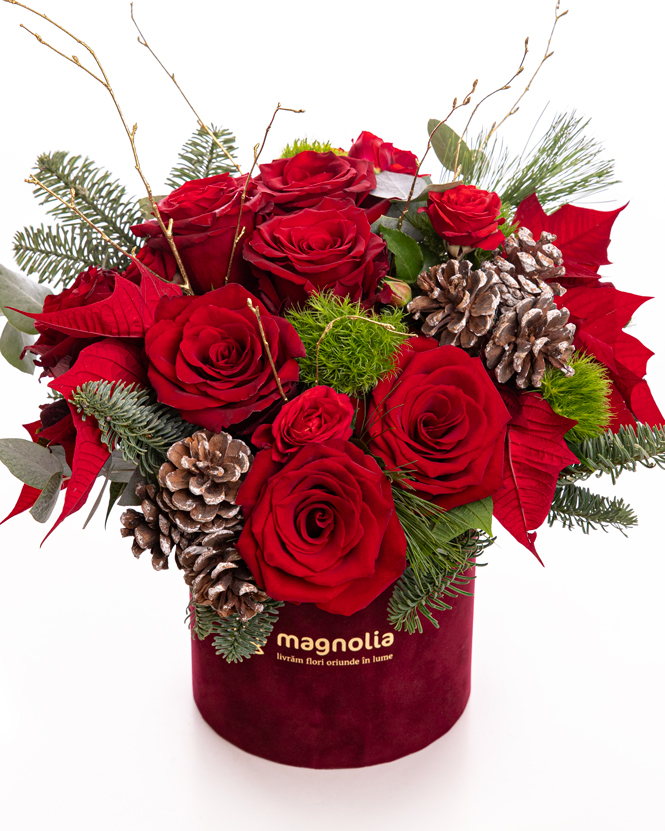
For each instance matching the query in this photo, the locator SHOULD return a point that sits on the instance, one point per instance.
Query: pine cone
(218, 577)
(152, 528)
(527, 337)
(461, 307)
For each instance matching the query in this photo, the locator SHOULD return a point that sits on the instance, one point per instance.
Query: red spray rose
(382, 154)
(304, 180)
(55, 350)
(466, 216)
(208, 361)
(318, 414)
(205, 217)
(442, 421)
(322, 529)
(329, 247)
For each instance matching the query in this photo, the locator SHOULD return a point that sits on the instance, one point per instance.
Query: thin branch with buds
(142, 40)
(466, 100)
(257, 152)
(548, 54)
(267, 347)
(102, 78)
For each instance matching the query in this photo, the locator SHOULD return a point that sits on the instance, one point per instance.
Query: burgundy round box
(330, 691)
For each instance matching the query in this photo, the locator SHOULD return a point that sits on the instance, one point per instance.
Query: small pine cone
(152, 529)
(457, 302)
(218, 577)
(529, 336)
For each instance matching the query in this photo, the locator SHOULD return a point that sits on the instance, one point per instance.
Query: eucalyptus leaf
(145, 206)
(12, 344)
(22, 293)
(129, 496)
(59, 452)
(46, 502)
(117, 469)
(408, 256)
(445, 142)
(115, 492)
(33, 464)
(391, 185)
(474, 515)
(390, 221)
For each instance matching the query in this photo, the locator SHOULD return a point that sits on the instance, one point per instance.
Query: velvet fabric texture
(374, 699)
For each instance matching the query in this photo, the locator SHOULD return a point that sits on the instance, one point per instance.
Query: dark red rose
(383, 155)
(318, 414)
(304, 180)
(466, 216)
(321, 529)
(55, 426)
(208, 361)
(205, 217)
(329, 247)
(56, 351)
(442, 421)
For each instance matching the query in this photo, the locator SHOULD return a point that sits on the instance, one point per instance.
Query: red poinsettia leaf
(644, 407)
(535, 455)
(582, 234)
(26, 500)
(106, 360)
(153, 288)
(621, 415)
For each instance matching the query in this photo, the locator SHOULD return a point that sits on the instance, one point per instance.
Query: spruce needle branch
(548, 54)
(258, 149)
(142, 40)
(103, 79)
(455, 106)
(506, 86)
(353, 317)
(267, 347)
(33, 180)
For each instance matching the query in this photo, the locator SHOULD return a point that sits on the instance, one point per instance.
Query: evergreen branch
(234, 638)
(573, 505)
(613, 453)
(130, 419)
(201, 156)
(58, 254)
(103, 200)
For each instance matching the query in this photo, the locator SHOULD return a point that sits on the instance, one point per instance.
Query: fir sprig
(612, 453)
(201, 157)
(576, 506)
(233, 638)
(353, 352)
(131, 419)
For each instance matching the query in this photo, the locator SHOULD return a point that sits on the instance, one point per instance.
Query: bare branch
(267, 347)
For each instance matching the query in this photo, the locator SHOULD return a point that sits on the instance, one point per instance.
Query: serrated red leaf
(535, 455)
(582, 234)
(106, 360)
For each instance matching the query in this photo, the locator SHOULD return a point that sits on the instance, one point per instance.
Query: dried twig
(102, 78)
(466, 100)
(257, 152)
(547, 55)
(354, 317)
(142, 40)
(267, 347)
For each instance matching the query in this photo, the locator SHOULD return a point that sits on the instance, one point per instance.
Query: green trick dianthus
(583, 397)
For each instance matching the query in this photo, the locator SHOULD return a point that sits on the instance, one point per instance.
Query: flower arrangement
(323, 378)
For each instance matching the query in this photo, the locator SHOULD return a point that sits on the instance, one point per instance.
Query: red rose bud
(400, 293)
(382, 154)
(466, 216)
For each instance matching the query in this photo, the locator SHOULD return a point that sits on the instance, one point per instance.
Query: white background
(565, 724)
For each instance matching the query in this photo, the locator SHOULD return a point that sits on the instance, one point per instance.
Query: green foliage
(445, 143)
(233, 638)
(130, 418)
(583, 397)
(29, 462)
(563, 166)
(423, 224)
(19, 292)
(354, 354)
(573, 505)
(300, 145)
(62, 252)
(201, 157)
(408, 254)
(613, 453)
(12, 344)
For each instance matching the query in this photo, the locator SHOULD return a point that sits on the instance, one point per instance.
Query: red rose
(329, 247)
(382, 154)
(321, 529)
(318, 414)
(441, 421)
(304, 180)
(205, 217)
(56, 351)
(208, 361)
(466, 216)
